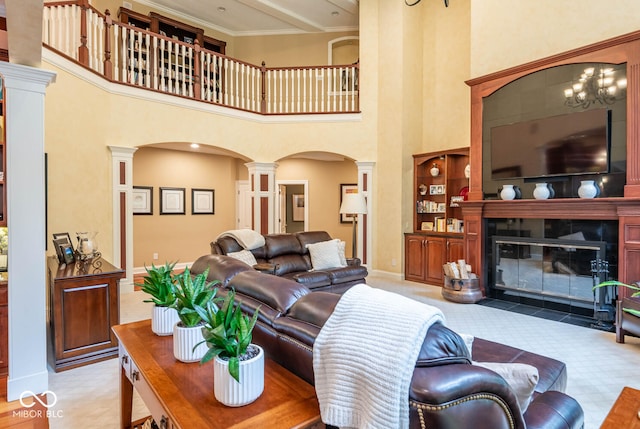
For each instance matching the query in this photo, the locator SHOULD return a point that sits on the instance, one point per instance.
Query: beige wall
(414, 61)
(185, 237)
(506, 36)
(324, 178)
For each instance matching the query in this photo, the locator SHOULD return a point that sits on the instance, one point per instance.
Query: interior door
(282, 204)
(243, 205)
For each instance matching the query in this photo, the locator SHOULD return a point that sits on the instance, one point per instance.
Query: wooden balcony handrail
(130, 55)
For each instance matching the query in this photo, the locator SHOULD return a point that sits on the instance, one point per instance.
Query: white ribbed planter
(163, 319)
(184, 340)
(233, 394)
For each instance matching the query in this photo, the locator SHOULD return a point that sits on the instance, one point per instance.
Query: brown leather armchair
(626, 323)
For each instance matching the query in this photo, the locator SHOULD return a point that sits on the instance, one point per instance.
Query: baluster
(83, 51)
(162, 86)
(152, 63)
(116, 52)
(108, 66)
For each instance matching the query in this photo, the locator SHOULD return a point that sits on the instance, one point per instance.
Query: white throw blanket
(247, 238)
(364, 357)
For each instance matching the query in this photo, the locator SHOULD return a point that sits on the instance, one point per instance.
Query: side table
(624, 413)
(84, 302)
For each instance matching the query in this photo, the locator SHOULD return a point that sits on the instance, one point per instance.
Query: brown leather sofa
(447, 391)
(286, 255)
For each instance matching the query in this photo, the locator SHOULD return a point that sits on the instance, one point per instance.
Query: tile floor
(598, 367)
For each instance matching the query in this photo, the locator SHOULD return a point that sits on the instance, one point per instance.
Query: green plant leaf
(234, 368)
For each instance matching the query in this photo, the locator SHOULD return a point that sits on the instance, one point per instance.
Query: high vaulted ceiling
(265, 17)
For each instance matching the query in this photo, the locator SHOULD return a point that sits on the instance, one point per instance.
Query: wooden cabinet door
(455, 249)
(414, 250)
(435, 254)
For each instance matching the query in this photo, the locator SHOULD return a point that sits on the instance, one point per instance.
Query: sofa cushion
(442, 345)
(314, 308)
(221, 267)
(311, 279)
(325, 255)
(278, 293)
(244, 256)
(289, 263)
(310, 237)
(228, 245)
(522, 379)
(282, 244)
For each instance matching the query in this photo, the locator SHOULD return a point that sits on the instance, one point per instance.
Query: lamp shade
(353, 203)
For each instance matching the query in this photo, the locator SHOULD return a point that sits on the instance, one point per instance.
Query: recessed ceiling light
(222, 9)
(195, 145)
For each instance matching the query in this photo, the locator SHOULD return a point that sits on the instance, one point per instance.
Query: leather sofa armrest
(632, 303)
(554, 410)
(354, 262)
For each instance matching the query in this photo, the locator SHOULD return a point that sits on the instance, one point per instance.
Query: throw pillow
(325, 254)
(521, 377)
(343, 258)
(244, 256)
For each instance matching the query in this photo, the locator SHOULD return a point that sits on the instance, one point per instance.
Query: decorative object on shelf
(353, 204)
(508, 192)
(191, 292)
(542, 191)
(435, 171)
(87, 246)
(588, 189)
(423, 189)
(467, 171)
(238, 367)
(596, 84)
(159, 283)
(464, 193)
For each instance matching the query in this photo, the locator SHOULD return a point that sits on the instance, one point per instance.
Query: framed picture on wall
(202, 201)
(346, 188)
(171, 201)
(142, 201)
(298, 208)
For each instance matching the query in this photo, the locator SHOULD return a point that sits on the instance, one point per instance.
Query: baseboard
(395, 276)
(181, 266)
(27, 386)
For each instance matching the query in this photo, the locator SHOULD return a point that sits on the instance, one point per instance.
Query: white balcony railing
(132, 56)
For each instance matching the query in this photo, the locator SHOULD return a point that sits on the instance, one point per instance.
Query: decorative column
(262, 177)
(365, 185)
(26, 222)
(122, 188)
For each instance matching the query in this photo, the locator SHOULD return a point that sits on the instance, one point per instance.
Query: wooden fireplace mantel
(622, 49)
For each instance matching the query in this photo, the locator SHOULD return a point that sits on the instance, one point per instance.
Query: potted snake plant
(634, 287)
(191, 292)
(159, 284)
(238, 368)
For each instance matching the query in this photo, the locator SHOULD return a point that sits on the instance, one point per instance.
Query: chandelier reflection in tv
(597, 84)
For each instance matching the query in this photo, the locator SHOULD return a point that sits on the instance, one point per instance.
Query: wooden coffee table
(624, 413)
(180, 395)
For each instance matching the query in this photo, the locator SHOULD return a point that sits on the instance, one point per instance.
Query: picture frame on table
(346, 188)
(202, 201)
(63, 247)
(172, 201)
(142, 201)
(64, 236)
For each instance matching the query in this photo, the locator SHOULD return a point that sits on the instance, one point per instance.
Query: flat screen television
(563, 145)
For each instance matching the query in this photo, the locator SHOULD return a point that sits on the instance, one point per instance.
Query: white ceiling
(264, 17)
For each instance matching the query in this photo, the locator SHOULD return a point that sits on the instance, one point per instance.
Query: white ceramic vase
(588, 189)
(184, 340)
(541, 191)
(233, 394)
(435, 171)
(507, 192)
(163, 319)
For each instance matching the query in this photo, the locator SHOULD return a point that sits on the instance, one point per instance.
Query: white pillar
(25, 184)
(122, 188)
(365, 185)
(262, 179)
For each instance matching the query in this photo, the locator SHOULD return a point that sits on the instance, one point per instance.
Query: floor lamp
(353, 204)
